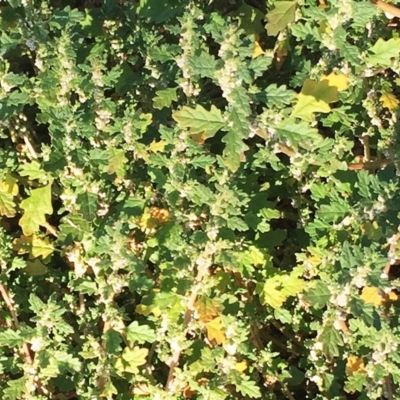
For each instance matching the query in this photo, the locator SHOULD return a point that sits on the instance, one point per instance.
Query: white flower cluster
(227, 76)
(186, 43)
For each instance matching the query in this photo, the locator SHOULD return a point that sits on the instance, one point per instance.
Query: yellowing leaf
(35, 207)
(372, 230)
(41, 247)
(156, 147)
(23, 244)
(354, 364)
(207, 309)
(389, 101)
(372, 295)
(214, 331)
(7, 205)
(241, 366)
(257, 51)
(316, 96)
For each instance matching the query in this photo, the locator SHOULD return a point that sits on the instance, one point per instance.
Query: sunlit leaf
(35, 208)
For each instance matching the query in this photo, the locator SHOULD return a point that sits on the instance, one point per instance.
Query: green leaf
(237, 223)
(318, 295)
(117, 163)
(332, 212)
(164, 98)
(88, 203)
(298, 133)
(355, 382)
(383, 52)
(15, 389)
(10, 338)
(204, 65)
(278, 96)
(280, 17)
(331, 341)
(202, 161)
(130, 360)
(200, 120)
(249, 388)
(33, 170)
(35, 268)
(36, 303)
(140, 333)
(250, 20)
(35, 207)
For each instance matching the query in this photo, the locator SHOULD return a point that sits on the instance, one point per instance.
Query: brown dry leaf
(393, 296)
(214, 331)
(372, 295)
(354, 364)
(199, 138)
(188, 393)
(280, 54)
(161, 214)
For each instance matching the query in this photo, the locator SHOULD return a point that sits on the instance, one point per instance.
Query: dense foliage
(199, 200)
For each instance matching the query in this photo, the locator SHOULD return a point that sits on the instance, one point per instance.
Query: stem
(385, 7)
(25, 348)
(202, 271)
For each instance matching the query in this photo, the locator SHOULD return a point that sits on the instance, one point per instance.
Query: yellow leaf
(337, 80)
(9, 185)
(156, 147)
(372, 230)
(372, 295)
(272, 296)
(257, 51)
(389, 101)
(147, 310)
(354, 364)
(214, 331)
(199, 138)
(241, 366)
